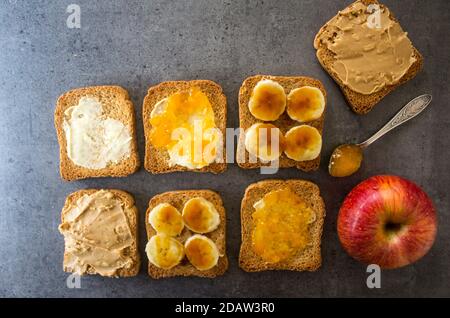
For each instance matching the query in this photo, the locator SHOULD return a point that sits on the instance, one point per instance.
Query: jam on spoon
(346, 159)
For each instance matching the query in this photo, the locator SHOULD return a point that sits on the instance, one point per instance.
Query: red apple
(387, 220)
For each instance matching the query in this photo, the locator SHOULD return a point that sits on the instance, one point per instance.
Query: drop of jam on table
(345, 160)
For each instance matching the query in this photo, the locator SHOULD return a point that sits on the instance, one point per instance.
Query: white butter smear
(94, 140)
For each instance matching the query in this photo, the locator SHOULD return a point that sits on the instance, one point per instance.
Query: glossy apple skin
(382, 200)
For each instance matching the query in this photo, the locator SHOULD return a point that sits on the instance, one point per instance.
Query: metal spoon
(346, 159)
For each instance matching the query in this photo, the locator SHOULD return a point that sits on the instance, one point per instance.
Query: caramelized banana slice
(268, 100)
(202, 252)
(200, 215)
(166, 219)
(303, 143)
(164, 251)
(305, 103)
(264, 141)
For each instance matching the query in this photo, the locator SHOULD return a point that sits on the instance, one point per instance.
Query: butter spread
(94, 140)
(370, 49)
(96, 234)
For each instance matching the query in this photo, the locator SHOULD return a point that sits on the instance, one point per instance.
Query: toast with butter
(281, 226)
(285, 121)
(96, 133)
(382, 56)
(180, 106)
(100, 229)
(172, 225)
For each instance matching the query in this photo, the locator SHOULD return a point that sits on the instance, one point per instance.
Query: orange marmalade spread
(370, 48)
(345, 160)
(184, 125)
(281, 220)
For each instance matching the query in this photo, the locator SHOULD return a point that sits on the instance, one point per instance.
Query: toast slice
(218, 236)
(117, 105)
(284, 122)
(157, 160)
(360, 103)
(308, 259)
(131, 214)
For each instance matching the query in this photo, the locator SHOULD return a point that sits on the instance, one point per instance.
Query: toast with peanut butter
(172, 224)
(96, 133)
(177, 107)
(100, 229)
(281, 226)
(364, 49)
(282, 121)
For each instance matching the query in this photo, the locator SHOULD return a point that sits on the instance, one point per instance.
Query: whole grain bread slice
(308, 259)
(157, 160)
(117, 105)
(132, 216)
(218, 236)
(284, 122)
(360, 103)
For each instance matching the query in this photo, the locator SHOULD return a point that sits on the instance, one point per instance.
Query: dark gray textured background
(137, 44)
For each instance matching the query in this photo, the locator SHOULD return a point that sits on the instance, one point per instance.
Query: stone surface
(142, 43)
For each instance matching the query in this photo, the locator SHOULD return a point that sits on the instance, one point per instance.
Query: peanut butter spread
(96, 234)
(370, 49)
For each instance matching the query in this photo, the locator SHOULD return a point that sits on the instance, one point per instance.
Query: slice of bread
(284, 122)
(360, 103)
(157, 160)
(117, 105)
(218, 236)
(308, 259)
(132, 218)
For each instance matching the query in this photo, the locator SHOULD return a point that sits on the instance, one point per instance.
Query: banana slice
(202, 252)
(164, 251)
(305, 104)
(260, 138)
(303, 143)
(200, 215)
(268, 100)
(166, 219)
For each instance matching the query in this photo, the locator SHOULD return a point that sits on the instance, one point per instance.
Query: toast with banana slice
(290, 109)
(186, 233)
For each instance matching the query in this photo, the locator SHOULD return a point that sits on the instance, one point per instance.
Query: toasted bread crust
(284, 123)
(157, 160)
(308, 259)
(360, 103)
(132, 219)
(218, 236)
(117, 105)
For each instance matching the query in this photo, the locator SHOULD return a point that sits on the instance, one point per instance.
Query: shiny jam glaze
(183, 110)
(345, 160)
(281, 222)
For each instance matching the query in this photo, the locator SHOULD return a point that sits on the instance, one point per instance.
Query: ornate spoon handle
(410, 110)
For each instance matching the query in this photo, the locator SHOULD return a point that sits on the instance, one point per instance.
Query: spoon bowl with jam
(346, 159)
